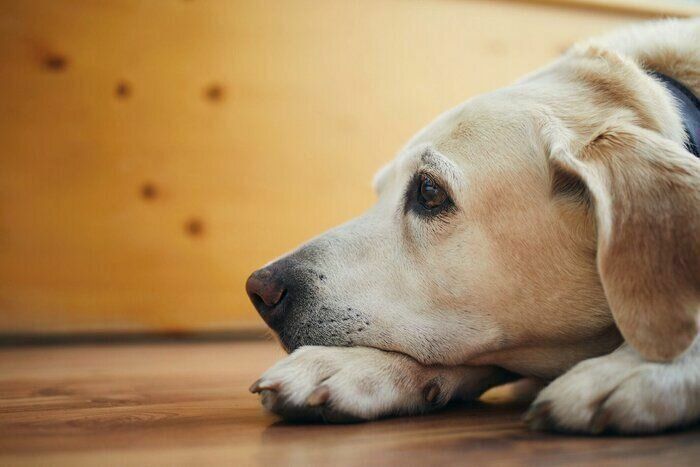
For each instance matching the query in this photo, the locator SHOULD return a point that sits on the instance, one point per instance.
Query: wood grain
(154, 153)
(641, 7)
(188, 404)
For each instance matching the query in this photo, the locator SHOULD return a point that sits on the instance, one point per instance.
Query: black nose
(267, 291)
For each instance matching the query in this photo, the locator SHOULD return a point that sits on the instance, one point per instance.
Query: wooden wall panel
(153, 153)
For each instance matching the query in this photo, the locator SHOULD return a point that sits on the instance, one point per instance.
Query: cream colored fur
(573, 254)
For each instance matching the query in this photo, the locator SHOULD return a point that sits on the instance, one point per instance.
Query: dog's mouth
(324, 326)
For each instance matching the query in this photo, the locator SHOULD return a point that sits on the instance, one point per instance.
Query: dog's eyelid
(442, 169)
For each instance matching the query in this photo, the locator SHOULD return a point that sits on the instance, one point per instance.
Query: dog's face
(476, 250)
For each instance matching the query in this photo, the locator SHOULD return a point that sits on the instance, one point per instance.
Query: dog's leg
(621, 392)
(341, 384)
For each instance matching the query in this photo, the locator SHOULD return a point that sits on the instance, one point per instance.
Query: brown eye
(430, 194)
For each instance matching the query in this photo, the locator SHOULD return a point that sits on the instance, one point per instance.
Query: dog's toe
(600, 422)
(318, 397)
(539, 416)
(316, 408)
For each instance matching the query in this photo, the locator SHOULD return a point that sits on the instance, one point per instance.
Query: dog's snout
(267, 291)
(287, 295)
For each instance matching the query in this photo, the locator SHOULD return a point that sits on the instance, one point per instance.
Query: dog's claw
(431, 392)
(318, 397)
(539, 416)
(258, 387)
(255, 387)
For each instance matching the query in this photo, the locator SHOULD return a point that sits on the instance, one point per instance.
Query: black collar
(689, 106)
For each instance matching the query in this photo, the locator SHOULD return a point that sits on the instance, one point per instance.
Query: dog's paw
(341, 385)
(618, 393)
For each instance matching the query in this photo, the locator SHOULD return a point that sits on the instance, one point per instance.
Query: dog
(547, 230)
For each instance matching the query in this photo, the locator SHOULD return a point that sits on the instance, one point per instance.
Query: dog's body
(550, 229)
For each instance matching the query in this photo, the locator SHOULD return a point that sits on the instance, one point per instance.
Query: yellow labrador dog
(550, 229)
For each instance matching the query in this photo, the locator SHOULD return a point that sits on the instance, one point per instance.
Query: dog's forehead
(483, 123)
(482, 138)
(481, 128)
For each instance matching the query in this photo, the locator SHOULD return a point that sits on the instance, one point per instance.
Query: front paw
(618, 393)
(341, 385)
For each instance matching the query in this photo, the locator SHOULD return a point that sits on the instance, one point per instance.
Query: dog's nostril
(262, 304)
(257, 301)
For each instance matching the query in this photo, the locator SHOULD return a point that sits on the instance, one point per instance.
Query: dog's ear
(645, 191)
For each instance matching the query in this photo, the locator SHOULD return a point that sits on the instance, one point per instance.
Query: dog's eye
(430, 194)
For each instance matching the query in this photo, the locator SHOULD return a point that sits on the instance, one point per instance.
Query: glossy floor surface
(188, 404)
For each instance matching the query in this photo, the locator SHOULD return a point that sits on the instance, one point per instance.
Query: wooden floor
(188, 404)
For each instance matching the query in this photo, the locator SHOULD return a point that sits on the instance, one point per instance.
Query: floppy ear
(646, 194)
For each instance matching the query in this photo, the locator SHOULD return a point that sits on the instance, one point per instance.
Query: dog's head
(526, 228)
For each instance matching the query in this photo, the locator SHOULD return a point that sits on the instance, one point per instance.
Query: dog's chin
(293, 338)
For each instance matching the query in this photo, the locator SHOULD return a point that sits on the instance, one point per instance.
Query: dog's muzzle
(293, 298)
(285, 293)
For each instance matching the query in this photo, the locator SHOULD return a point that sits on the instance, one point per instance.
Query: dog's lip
(395, 351)
(281, 340)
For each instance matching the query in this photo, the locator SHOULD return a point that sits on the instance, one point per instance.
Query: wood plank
(188, 404)
(155, 153)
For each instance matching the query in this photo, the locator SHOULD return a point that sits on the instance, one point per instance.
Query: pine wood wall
(154, 153)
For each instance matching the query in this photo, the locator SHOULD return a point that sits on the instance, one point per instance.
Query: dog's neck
(689, 108)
